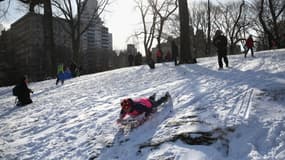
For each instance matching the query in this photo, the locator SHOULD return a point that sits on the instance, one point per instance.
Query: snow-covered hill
(232, 114)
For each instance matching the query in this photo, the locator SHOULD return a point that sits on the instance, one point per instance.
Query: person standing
(60, 74)
(158, 56)
(249, 46)
(220, 42)
(174, 50)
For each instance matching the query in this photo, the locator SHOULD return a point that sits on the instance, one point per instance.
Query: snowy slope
(235, 113)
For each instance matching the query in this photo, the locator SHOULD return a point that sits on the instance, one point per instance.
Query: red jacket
(138, 106)
(249, 42)
(158, 54)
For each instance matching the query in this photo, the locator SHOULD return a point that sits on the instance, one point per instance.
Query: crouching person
(22, 92)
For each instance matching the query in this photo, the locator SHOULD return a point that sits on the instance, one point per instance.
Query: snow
(238, 112)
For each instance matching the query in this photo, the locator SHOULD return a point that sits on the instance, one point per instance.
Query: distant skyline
(120, 17)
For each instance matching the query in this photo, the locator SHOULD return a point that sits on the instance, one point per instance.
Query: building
(95, 41)
(97, 35)
(131, 49)
(24, 45)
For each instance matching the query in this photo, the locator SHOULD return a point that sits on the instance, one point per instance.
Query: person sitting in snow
(137, 107)
(22, 92)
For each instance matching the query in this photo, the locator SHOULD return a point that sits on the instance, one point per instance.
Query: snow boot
(152, 97)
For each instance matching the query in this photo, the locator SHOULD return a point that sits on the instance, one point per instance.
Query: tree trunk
(48, 39)
(159, 40)
(208, 44)
(275, 24)
(185, 52)
(232, 46)
(76, 50)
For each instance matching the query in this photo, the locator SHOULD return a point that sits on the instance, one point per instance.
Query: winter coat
(158, 54)
(23, 93)
(220, 43)
(66, 75)
(60, 69)
(249, 42)
(139, 106)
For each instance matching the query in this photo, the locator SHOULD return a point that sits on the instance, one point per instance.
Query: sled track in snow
(241, 110)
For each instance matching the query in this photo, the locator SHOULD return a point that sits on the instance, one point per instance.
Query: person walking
(220, 42)
(249, 46)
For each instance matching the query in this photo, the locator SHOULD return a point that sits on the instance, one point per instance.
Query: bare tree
(198, 16)
(228, 17)
(269, 13)
(173, 27)
(48, 32)
(149, 19)
(234, 26)
(208, 45)
(200, 19)
(265, 17)
(163, 9)
(185, 52)
(73, 12)
(4, 10)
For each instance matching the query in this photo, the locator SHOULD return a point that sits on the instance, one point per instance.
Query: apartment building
(24, 42)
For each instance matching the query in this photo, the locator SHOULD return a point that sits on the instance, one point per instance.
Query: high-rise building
(97, 35)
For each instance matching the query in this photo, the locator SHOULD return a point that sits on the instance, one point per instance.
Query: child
(22, 92)
(137, 107)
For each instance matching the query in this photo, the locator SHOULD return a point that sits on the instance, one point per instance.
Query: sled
(159, 114)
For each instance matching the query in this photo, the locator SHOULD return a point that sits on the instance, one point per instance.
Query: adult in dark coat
(23, 92)
(174, 50)
(249, 46)
(220, 42)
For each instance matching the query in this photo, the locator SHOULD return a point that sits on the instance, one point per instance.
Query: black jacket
(23, 93)
(221, 43)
